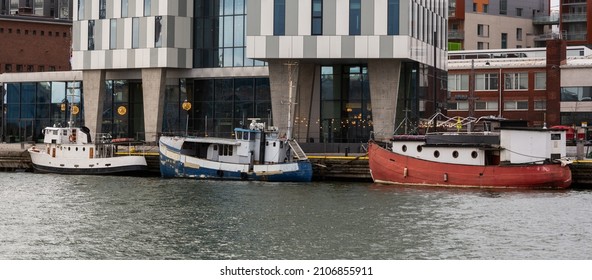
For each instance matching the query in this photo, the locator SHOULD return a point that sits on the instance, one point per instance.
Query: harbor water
(84, 217)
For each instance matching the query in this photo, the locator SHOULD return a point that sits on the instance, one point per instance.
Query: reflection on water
(85, 217)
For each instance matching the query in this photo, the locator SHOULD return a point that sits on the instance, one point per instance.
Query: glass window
(504, 40)
(317, 17)
(91, 35)
(516, 105)
(516, 81)
(135, 33)
(158, 32)
(124, 8)
(486, 81)
(518, 34)
(503, 7)
(540, 105)
(458, 82)
(80, 9)
(393, 17)
(355, 14)
(102, 9)
(147, 8)
(113, 34)
(279, 17)
(540, 80)
(486, 105)
(482, 30)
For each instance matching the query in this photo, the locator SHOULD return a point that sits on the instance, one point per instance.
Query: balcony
(579, 17)
(576, 36)
(546, 36)
(456, 35)
(546, 20)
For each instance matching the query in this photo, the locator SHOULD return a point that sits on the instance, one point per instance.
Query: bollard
(346, 151)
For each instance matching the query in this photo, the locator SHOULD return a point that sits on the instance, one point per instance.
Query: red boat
(520, 158)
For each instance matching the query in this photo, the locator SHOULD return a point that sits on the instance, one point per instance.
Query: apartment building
(575, 21)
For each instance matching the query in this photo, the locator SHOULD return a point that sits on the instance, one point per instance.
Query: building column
(93, 88)
(279, 83)
(304, 101)
(153, 87)
(384, 78)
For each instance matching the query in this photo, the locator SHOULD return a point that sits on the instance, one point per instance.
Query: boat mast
(290, 84)
(71, 89)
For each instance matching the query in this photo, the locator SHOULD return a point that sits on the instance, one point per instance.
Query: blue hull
(170, 168)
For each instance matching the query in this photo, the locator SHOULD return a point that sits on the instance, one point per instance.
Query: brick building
(34, 44)
(530, 88)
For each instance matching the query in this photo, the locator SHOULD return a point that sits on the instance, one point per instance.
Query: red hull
(390, 168)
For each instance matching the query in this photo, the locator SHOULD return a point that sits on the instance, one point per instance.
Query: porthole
(455, 154)
(77, 149)
(419, 148)
(436, 154)
(474, 154)
(404, 148)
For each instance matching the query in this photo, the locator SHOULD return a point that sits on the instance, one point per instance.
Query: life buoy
(72, 138)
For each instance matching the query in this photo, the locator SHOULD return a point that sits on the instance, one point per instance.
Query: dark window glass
(102, 9)
(317, 17)
(279, 17)
(158, 32)
(91, 35)
(393, 17)
(355, 17)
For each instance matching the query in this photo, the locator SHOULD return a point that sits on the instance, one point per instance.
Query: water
(85, 217)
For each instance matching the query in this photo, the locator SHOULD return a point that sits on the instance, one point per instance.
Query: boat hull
(123, 165)
(175, 165)
(387, 167)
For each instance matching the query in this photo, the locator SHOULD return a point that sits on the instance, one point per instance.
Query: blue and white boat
(255, 153)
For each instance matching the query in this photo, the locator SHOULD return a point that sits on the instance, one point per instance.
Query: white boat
(255, 153)
(69, 150)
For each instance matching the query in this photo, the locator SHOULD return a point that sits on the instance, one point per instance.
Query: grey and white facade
(357, 66)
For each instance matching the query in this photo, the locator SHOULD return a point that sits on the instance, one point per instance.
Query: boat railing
(103, 138)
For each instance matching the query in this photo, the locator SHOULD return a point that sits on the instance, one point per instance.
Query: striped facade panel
(335, 42)
(176, 42)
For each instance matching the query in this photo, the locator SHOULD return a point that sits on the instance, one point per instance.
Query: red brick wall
(34, 46)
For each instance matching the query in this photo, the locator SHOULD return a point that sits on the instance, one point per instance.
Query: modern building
(349, 68)
(61, 9)
(576, 21)
(545, 86)
(499, 24)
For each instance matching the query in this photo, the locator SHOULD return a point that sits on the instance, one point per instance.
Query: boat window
(64, 132)
(77, 149)
(455, 154)
(404, 148)
(555, 136)
(55, 132)
(83, 149)
(474, 154)
(419, 148)
(266, 143)
(245, 136)
(68, 148)
(281, 145)
(215, 147)
(274, 144)
(436, 154)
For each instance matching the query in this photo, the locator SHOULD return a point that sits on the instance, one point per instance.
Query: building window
(504, 40)
(516, 81)
(482, 45)
(458, 106)
(102, 9)
(317, 17)
(576, 94)
(113, 34)
(91, 35)
(458, 82)
(158, 32)
(147, 8)
(519, 12)
(81, 9)
(393, 17)
(41, 68)
(516, 105)
(475, 7)
(124, 8)
(540, 105)
(279, 17)
(7, 68)
(486, 81)
(486, 105)
(485, 8)
(503, 7)
(518, 34)
(540, 80)
(355, 17)
(482, 30)
(135, 33)
(19, 68)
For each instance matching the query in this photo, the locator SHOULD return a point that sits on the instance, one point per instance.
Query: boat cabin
(66, 135)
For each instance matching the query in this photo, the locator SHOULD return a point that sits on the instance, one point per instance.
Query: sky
(554, 3)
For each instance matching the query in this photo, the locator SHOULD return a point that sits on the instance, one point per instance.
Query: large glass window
(124, 8)
(458, 82)
(516, 105)
(486, 81)
(102, 9)
(355, 17)
(147, 8)
(393, 17)
(576, 94)
(317, 17)
(516, 81)
(80, 9)
(503, 7)
(219, 37)
(279, 17)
